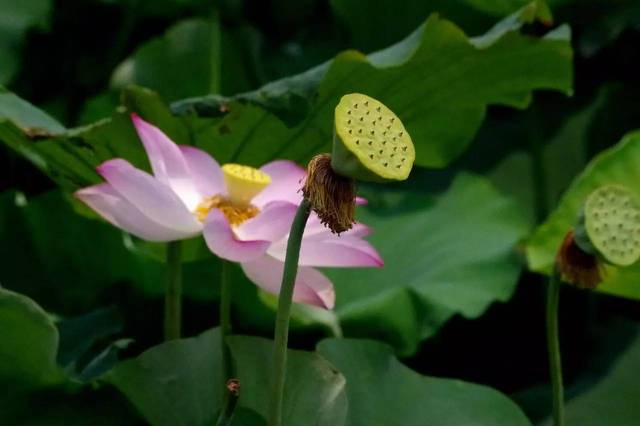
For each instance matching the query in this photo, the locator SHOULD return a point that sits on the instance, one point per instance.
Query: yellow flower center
(234, 214)
(243, 183)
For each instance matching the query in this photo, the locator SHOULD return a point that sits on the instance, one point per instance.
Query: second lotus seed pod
(612, 224)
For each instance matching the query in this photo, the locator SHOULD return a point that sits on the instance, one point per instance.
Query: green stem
(279, 361)
(553, 346)
(230, 399)
(225, 320)
(173, 294)
(226, 416)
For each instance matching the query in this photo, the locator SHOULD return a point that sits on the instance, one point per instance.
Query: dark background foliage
(63, 61)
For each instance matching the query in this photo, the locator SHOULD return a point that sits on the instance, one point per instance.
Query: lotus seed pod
(244, 182)
(612, 223)
(370, 142)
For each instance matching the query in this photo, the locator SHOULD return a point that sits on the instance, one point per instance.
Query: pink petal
(286, 181)
(312, 287)
(271, 224)
(361, 201)
(152, 198)
(223, 243)
(205, 171)
(167, 161)
(316, 229)
(332, 251)
(119, 212)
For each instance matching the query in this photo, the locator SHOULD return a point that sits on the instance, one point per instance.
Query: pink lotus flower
(244, 213)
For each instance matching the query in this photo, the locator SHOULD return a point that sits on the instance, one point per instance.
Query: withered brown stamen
(330, 195)
(576, 266)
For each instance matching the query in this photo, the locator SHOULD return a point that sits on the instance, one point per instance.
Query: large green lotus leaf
(614, 399)
(29, 344)
(314, 389)
(456, 255)
(617, 165)
(381, 391)
(430, 80)
(178, 383)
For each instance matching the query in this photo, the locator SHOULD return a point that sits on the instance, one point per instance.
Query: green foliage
(431, 91)
(177, 383)
(467, 261)
(617, 165)
(252, 135)
(181, 64)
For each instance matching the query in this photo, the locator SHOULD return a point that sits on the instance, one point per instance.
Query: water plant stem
(230, 398)
(279, 360)
(225, 321)
(553, 347)
(173, 293)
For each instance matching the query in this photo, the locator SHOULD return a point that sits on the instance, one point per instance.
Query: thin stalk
(228, 408)
(279, 360)
(553, 346)
(173, 293)
(230, 398)
(541, 208)
(225, 320)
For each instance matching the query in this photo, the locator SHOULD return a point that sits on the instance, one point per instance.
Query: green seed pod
(612, 224)
(370, 142)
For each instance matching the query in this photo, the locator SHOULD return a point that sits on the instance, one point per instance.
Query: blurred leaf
(105, 361)
(454, 256)
(381, 391)
(16, 17)
(184, 62)
(29, 345)
(24, 115)
(618, 165)
(514, 174)
(78, 334)
(430, 80)
(175, 383)
(612, 401)
(607, 21)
